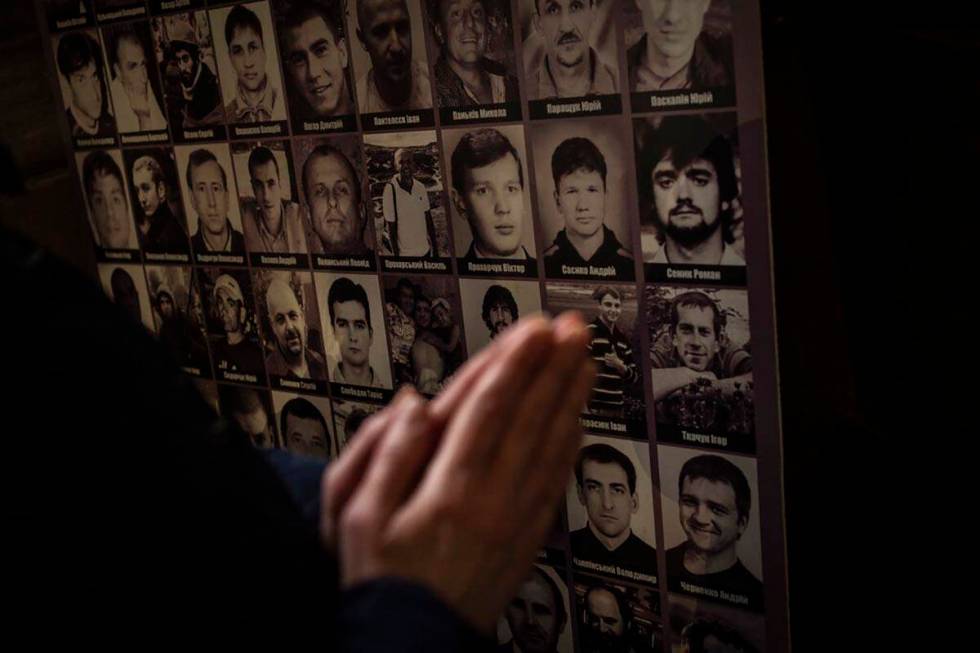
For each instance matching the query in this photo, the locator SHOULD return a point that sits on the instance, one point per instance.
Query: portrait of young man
(271, 222)
(353, 331)
(79, 59)
(677, 51)
(537, 616)
(315, 60)
(210, 200)
(714, 508)
(332, 188)
(156, 202)
(464, 73)
(606, 487)
(106, 200)
(570, 67)
(288, 352)
(136, 92)
(251, 410)
(585, 246)
(689, 190)
(612, 350)
(489, 200)
(193, 93)
(235, 349)
(394, 75)
(303, 426)
(247, 58)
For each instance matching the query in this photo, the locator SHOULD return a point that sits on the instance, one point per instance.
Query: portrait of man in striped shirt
(612, 351)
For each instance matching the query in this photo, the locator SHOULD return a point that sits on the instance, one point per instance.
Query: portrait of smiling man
(398, 79)
(714, 502)
(465, 75)
(315, 60)
(606, 486)
(256, 96)
(488, 193)
(291, 356)
(571, 67)
(333, 198)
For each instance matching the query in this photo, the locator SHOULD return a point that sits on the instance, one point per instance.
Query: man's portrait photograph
(582, 199)
(83, 79)
(250, 409)
(405, 180)
(352, 314)
(538, 618)
(179, 314)
(701, 364)
(679, 47)
(347, 419)
(232, 325)
(700, 625)
(107, 200)
(476, 64)
(388, 55)
(125, 285)
(315, 50)
(248, 64)
(617, 618)
(155, 199)
(304, 424)
(134, 81)
(289, 326)
(610, 510)
(490, 306)
(211, 200)
(688, 180)
(710, 507)
(333, 194)
(490, 200)
(272, 219)
(184, 50)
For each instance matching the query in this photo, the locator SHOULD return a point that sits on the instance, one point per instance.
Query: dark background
(873, 150)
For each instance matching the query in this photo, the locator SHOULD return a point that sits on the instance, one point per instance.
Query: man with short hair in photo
(699, 350)
(499, 309)
(350, 317)
(675, 51)
(578, 169)
(687, 173)
(106, 196)
(714, 499)
(256, 100)
(465, 76)
(606, 621)
(200, 99)
(536, 616)
(571, 67)
(612, 351)
(159, 228)
(406, 210)
(304, 429)
(488, 192)
(134, 100)
(250, 410)
(271, 223)
(606, 486)
(333, 194)
(396, 81)
(314, 54)
(79, 59)
(292, 357)
(236, 351)
(207, 183)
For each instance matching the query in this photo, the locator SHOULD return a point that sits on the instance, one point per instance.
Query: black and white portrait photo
(610, 510)
(251, 409)
(248, 67)
(125, 285)
(691, 216)
(710, 508)
(211, 203)
(490, 306)
(704, 625)
(490, 201)
(232, 325)
(179, 314)
(582, 199)
(83, 79)
(348, 416)
(616, 617)
(304, 425)
(701, 360)
(107, 203)
(538, 618)
(154, 192)
(134, 82)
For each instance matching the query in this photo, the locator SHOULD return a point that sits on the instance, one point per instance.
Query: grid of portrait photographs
(312, 203)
